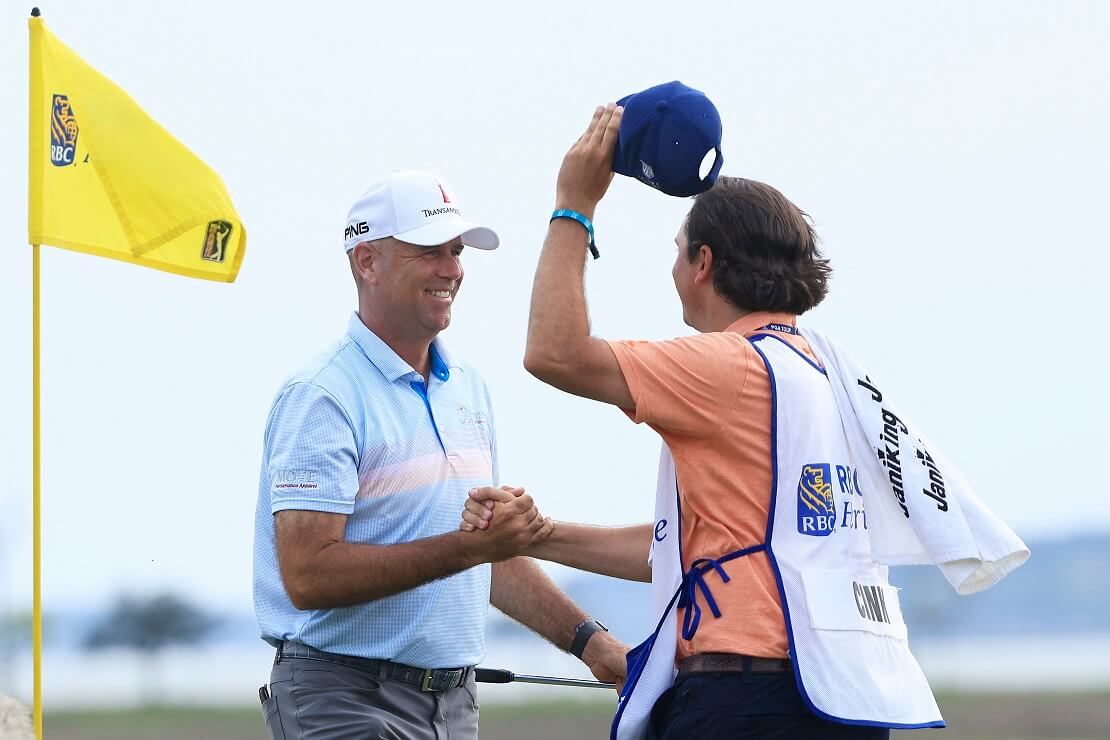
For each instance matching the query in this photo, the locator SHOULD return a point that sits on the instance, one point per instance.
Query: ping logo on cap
(355, 230)
(63, 132)
(816, 505)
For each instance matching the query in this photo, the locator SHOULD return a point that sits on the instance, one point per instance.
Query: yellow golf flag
(106, 179)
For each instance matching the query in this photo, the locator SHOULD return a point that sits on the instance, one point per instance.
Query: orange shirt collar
(748, 324)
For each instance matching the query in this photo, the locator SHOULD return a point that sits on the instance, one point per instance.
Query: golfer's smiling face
(421, 284)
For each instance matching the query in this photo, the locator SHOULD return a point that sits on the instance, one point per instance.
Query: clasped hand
(518, 525)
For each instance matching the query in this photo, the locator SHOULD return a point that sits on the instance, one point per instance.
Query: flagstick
(36, 516)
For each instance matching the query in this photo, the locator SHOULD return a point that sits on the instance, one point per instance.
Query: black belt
(732, 663)
(428, 679)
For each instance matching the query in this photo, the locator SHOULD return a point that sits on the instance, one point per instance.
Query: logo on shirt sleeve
(816, 504)
(295, 479)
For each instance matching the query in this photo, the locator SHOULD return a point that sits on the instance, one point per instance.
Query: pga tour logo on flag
(816, 503)
(63, 132)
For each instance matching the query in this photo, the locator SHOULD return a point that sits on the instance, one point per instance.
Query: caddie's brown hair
(765, 255)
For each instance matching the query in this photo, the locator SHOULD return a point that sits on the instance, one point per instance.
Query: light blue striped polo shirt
(356, 433)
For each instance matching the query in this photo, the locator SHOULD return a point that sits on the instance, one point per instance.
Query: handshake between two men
(509, 515)
(507, 523)
(520, 530)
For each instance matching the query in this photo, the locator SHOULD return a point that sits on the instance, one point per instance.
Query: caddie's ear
(703, 264)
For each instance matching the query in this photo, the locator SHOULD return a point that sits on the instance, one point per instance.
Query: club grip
(492, 675)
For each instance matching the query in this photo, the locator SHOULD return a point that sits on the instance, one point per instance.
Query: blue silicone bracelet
(576, 216)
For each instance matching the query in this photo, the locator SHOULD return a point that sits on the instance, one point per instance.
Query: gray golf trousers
(313, 699)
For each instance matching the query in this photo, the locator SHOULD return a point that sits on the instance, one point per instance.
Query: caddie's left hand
(588, 167)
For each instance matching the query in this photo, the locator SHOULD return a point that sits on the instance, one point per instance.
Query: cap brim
(441, 232)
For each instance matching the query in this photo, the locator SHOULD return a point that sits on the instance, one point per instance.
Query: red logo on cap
(444, 192)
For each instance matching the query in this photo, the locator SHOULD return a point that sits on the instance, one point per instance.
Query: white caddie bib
(845, 628)
(847, 636)
(651, 668)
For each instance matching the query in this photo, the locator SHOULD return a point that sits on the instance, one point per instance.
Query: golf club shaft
(554, 681)
(497, 675)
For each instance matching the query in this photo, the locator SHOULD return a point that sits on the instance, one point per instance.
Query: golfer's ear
(362, 262)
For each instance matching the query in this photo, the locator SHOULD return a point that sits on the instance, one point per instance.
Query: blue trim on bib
(778, 576)
(637, 659)
(797, 351)
(678, 510)
(686, 597)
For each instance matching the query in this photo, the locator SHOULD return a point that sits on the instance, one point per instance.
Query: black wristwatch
(582, 635)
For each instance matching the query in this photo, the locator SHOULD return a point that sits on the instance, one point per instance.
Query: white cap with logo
(414, 207)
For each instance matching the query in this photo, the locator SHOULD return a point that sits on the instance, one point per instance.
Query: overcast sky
(953, 156)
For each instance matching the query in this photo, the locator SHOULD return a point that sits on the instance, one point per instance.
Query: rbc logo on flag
(63, 133)
(816, 505)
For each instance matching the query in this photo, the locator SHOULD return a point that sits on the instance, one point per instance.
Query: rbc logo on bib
(816, 505)
(63, 133)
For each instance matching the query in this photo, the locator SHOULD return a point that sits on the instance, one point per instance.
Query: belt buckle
(426, 682)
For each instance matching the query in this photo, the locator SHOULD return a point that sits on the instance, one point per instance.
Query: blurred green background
(970, 717)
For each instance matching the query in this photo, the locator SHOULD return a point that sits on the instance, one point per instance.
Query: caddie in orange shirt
(747, 264)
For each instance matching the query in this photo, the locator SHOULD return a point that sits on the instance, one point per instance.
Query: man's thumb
(488, 493)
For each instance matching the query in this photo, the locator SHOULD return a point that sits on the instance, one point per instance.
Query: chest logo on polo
(466, 416)
(816, 504)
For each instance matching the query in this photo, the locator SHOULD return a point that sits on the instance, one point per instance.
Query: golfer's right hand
(513, 525)
(607, 658)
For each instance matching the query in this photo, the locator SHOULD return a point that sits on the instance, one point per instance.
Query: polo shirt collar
(746, 325)
(441, 366)
(388, 362)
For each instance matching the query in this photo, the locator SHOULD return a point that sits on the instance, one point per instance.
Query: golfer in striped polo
(375, 602)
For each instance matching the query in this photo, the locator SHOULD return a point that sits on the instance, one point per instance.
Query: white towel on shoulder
(920, 509)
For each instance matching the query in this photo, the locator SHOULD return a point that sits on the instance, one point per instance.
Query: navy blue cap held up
(666, 133)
